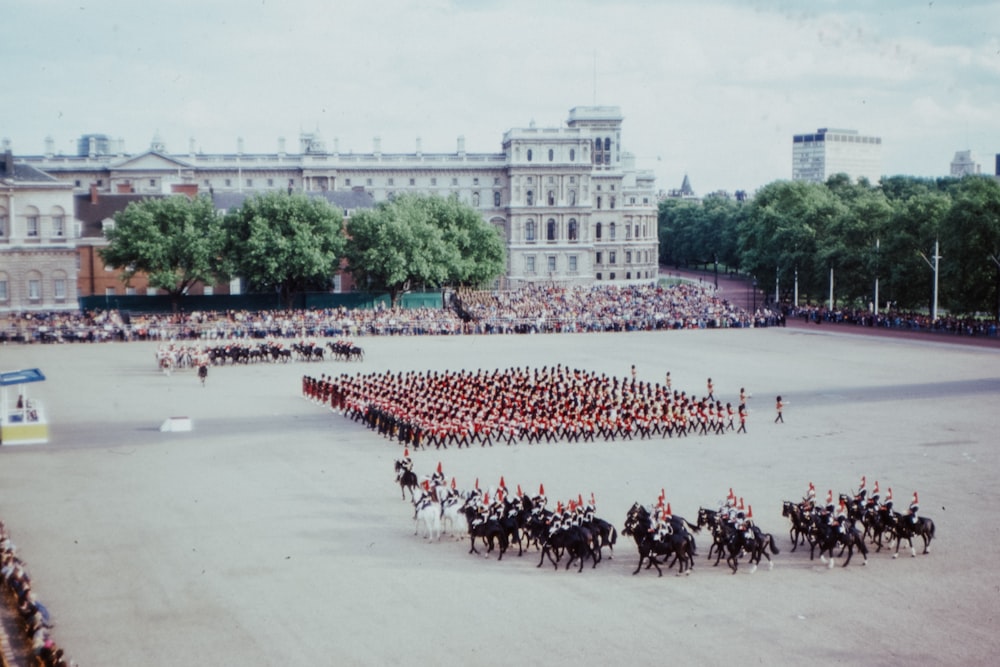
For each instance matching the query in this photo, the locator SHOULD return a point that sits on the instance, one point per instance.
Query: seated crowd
(34, 617)
(533, 309)
(898, 319)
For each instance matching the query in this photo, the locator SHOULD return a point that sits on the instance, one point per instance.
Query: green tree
(422, 240)
(970, 241)
(174, 241)
(285, 243)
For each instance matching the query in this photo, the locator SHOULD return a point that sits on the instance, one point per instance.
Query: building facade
(38, 262)
(568, 200)
(964, 164)
(816, 157)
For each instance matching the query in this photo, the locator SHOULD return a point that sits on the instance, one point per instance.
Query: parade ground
(273, 533)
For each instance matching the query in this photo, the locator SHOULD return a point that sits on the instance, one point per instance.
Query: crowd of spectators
(537, 309)
(898, 320)
(34, 617)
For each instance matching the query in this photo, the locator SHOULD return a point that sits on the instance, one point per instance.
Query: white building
(568, 200)
(816, 157)
(963, 164)
(37, 240)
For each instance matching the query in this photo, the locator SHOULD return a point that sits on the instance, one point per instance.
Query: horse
(571, 539)
(407, 479)
(829, 536)
(486, 528)
(427, 515)
(679, 542)
(905, 527)
(797, 533)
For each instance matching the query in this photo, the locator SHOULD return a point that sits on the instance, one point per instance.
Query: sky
(711, 89)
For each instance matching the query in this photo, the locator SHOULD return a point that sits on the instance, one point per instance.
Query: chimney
(239, 145)
(419, 148)
(281, 146)
(93, 193)
(8, 163)
(50, 146)
(92, 147)
(191, 146)
(336, 146)
(461, 146)
(377, 146)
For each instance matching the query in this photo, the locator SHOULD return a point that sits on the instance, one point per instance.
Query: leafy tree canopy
(175, 241)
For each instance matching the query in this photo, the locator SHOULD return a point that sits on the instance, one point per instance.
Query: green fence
(257, 302)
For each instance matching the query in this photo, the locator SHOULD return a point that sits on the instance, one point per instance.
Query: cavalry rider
(914, 507)
(873, 498)
(406, 463)
(859, 497)
(839, 519)
(809, 502)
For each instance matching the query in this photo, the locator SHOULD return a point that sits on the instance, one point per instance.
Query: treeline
(795, 229)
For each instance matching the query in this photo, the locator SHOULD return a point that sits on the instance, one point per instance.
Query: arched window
(611, 231)
(529, 231)
(529, 155)
(571, 229)
(572, 155)
(496, 199)
(550, 230)
(597, 231)
(572, 197)
(531, 198)
(552, 198)
(607, 144)
(552, 155)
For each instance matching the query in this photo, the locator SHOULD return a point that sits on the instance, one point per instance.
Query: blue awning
(21, 377)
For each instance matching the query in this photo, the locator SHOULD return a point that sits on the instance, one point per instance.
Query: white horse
(427, 517)
(453, 515)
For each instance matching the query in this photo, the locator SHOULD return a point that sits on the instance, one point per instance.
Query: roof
(25, 173)
(345, 199)
(93, 213)
(25, 376)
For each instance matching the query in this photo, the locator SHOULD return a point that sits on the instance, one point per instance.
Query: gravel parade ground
(273, 533)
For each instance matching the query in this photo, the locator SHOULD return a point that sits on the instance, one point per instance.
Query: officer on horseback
(914, 507)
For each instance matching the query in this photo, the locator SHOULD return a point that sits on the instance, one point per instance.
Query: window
(628, 232)
(34, 289)
(628, 276)
(496, 180)
(3, 290)
(552, 155)
(550, 230)
(628, 256)
(59, 289)
(552, 198)
(598, 202)
(391, 181)
(434, 181)
(611, 257)
(572, 263)
(572, 197)
(150, 291)
(611, 231)
(529, 231)
(368, 181)
(611, 202)
(152, 182)
(600, 276)
(413, 181)
(529, 155)
(475, 199)
(475, 181)
(637, 231)
(496, 199)
(3, 224)
(611, 276)
(270, 182)
(76, 183)
(531, 198)
(600, 258)
(58, 225)
(572, 229)
(228, 182)
(454, 181)
(32, 221)
(129, 291)
(347, 181)
(208, 290)
(529, 264)
(607, 144)
(597, 231)
(552, 263)
(249, 182)
(572, 155)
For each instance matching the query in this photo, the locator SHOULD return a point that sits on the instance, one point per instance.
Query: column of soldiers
(442, 408)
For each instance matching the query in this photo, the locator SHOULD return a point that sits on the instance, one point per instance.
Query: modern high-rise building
(568, 201)
(816, 157)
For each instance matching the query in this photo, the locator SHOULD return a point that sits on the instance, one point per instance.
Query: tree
(416, 239)
(971, 242)
(287, 243)
(175, 241)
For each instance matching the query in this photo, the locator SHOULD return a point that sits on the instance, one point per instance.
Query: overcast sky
(714, 89)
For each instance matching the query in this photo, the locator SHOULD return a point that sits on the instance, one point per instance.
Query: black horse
(828, 536)
(486, 528)
(905, 527)
(674, 540)
(407, 479)
(572, 540)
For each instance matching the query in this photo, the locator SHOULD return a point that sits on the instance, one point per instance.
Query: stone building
(38, 266)
(568, 200)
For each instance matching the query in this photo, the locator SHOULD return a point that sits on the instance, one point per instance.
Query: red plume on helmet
(668, 513)
(477, 483)
(406, 452)
(503, 485)
(915, 498)
(453, 485)
(749, 511)
(427, 485)
(829, 497)
(439, 468)
(519, 494)
(541, 489)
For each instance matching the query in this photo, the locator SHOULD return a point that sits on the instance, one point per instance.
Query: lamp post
(796, 287)
(934, 267)
(876, 277)
(755, 294)
(716, 258)
(777, 278)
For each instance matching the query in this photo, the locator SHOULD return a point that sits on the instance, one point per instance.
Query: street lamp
(716, 257)
(876, 276)
(934, 268)
(755, 294)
